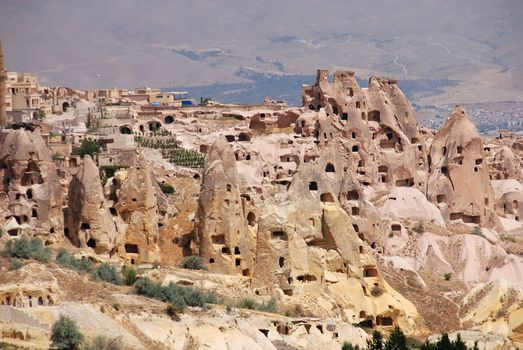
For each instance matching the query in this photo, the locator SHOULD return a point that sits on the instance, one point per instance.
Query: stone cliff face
(31, 190)
(89, 220)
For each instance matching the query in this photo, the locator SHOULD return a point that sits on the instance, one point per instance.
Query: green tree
(65, 334)
(397, 340)
(444, 342)
(89, 147)
(458, 344)
(376, 343)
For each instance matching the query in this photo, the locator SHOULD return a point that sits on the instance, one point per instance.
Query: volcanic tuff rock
(459, 178)
(89, 220)
(31, 190)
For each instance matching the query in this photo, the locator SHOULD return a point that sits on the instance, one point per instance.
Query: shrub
(376, 291)
(173, 293)
(101, 342)
(15, 264)
(503, 237)
(129, 275)
(25, 248)
(174, 311)
(65, 259)
(477, 231)
(193, 262)
(65, 334)
(166, 188)
(89, 147)
(248, 303)
(108, 273)
(447, 276)
(376, 343)
(419, 228)
(349, 346)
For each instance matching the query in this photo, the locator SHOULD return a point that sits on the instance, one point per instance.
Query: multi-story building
(23, 97)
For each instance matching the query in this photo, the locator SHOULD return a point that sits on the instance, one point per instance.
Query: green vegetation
(129, 275)
(107, 171)
(444, 343)
(166, 188)
(419, 228)
(173, 293)
(477, 231)
(503, 237)
(67, 260)
(376, 291)
(41, 114)
(447, 276)
(171, 149)
(108, 273)
(103, 343)
(25, 248)
(193, 262)
(398, 341)
(248, 303)
(89, 147)
(65, 334)
(15, 264)
(174, 311)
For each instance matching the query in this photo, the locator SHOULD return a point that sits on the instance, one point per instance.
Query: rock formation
(137, 205)
(89, 221)
(226, 231)
(3, 90)
(459, 178)
(31, 190)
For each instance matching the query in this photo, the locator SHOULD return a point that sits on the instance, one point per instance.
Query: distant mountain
(464, 51)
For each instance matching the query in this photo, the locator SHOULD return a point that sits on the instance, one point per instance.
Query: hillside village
(345, 215)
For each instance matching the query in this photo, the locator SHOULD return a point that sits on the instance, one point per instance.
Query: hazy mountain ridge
(183, 43)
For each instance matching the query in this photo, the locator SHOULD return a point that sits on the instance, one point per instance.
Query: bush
(477, 231)
(65, 334)
(103, 343)
(89, 147)
(67, 260)
(25, 248)
(248, 303)
(376, 291)
(129, 275)
(108, 273)
(173, 293)
(166, 188)
(447, 276)
(15, 264)
(174, 311)
(193, 262)
(419, 228)
(349, 346)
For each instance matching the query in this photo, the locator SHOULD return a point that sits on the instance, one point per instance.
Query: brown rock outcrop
(137, 206)
(89, 222)
(459, 178)
(225, 232)
(32, 193)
